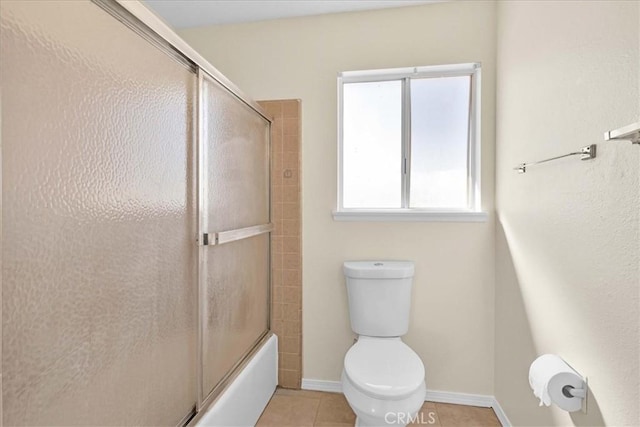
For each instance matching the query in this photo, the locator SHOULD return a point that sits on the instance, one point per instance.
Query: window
(409, 144)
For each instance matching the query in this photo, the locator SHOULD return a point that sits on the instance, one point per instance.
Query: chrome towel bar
(629, 133)
(585, 153)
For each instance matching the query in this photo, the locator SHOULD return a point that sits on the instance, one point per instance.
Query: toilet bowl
(383, 378)
(383, 381)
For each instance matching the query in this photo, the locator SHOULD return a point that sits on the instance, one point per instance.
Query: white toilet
(383, 378)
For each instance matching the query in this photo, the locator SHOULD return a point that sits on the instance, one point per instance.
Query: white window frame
(473, 213)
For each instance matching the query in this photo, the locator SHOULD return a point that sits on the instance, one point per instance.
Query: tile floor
(301, 408)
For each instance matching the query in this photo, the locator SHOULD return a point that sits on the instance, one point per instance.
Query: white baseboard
(322, 385)
(502, 416)
(459, 398)
(482, 400)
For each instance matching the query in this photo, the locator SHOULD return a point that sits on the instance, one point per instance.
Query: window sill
(409, 216)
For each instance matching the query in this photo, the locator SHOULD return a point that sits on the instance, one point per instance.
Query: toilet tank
(379, 296)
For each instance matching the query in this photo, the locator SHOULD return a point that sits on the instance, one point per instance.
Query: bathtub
(242, 402)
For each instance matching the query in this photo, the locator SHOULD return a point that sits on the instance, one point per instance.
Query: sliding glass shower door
(135, 220)
(235, 224)
(99, 221)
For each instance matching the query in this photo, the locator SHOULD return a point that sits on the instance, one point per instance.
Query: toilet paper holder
(570, 391)
(554, 381)
(577, 393)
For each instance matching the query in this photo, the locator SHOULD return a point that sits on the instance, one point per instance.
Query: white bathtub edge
(242, 403)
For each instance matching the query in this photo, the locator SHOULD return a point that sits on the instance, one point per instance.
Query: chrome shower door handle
(222, 237)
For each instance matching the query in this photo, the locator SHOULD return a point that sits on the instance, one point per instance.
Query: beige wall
(452, 321)
(567, 246)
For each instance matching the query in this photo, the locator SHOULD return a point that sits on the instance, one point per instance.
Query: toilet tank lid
(378, 269)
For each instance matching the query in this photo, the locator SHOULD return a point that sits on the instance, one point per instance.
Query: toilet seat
(384, 368)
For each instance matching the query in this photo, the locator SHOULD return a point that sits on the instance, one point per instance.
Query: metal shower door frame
(140, 19)
(207, 238)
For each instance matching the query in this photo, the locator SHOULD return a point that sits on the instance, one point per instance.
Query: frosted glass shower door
(99, 218)
(234, 275)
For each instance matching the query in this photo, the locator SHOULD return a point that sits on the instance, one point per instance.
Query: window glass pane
(372, 145)
(439, 142)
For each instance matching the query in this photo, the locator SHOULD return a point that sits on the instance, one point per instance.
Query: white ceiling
(196, 13)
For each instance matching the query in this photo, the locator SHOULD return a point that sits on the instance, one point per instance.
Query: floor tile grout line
(315, 418)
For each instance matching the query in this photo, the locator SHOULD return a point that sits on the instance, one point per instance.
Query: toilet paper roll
(548, 377)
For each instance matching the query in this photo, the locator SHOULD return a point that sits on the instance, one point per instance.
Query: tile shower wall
(286, 259)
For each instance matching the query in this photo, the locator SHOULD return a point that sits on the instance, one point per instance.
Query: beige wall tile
(277, 176)
(291, 312)
(289, 379)
(290, 176)
(277, 127)
(277, 326)
(291, 126)
(277, 274)
(276, 168)
(291, 361)
(291, 296)
(291, 160)
(290, 345)
(277, 311)
(277, 244)
(291, 108)
(278, 227)
(277, 210)
(291, 227)
(291, 211)
(274, 108)
(279, 196)
(291, 143)
(291, 329)
(285, 215)
(291, 261)
(277, 294)
(277, 143)
(290, 194)
(291, 278)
